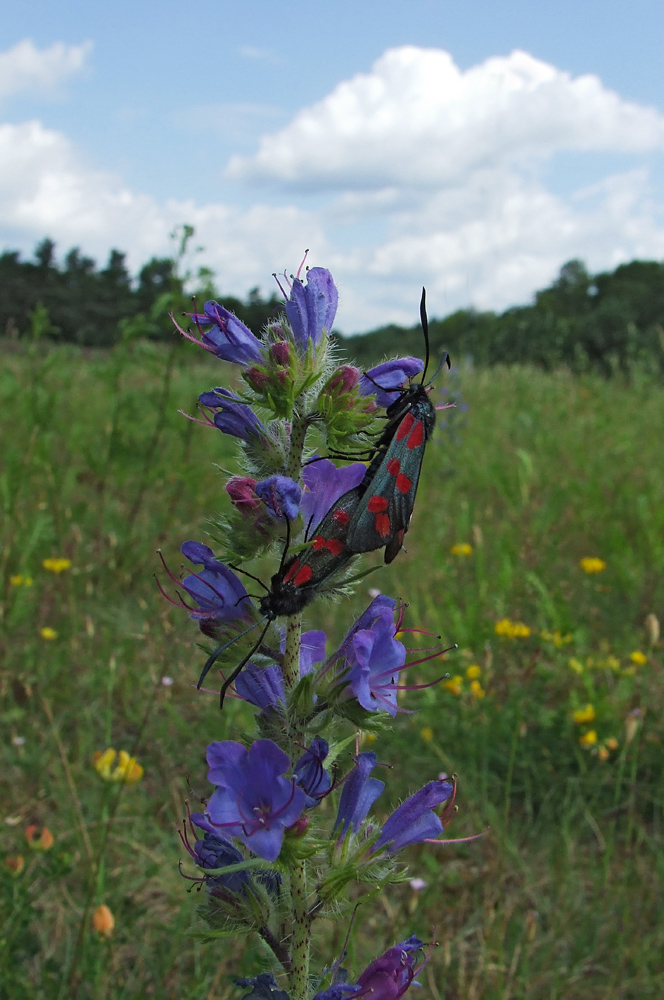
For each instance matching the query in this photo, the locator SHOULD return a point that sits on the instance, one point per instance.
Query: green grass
(559, 900)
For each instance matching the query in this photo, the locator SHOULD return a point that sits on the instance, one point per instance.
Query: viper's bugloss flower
(214, 851)
(310, 774)
(227, 337)
(263, 987)
(389, 976)
(373, 657)
(264, 686)
(231, 415)
(324, 483)
(252, 801)
(386, 381)
(415, 821)
(359, 793)
(241, 490)
(219, 593)
(281, 496)
(127, 770)
(311, 307)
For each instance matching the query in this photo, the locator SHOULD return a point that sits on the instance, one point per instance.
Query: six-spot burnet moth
(390, 484)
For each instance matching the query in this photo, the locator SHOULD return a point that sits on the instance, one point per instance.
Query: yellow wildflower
(582, 715)
(462, 549)
(126, 770)
(103, 921)
(20, 581)
(638, 657)
(56, 565)
(512, 630)
(48, 633)
(556, 637)
(612, 743)
(473, 672)
(454, 685)
(477, 689)
(576, 665)
(369, 738)
(427, 734)
(590, 564)
(588, 739)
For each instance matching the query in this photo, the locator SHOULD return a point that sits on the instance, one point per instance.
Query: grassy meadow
(560, 900)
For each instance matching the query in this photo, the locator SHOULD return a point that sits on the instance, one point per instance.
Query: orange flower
(103, 921)
(39, 838)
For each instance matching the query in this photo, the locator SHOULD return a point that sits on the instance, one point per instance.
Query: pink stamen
(457, 840)
(299, 270)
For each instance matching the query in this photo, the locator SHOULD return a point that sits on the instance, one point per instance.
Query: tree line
(605, 322)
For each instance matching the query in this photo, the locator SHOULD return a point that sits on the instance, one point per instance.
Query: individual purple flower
(213, 851)
(261, 686)
(311, 307)
(387, 379)
(389, 976)
(312, 650)
(241, 490)
(373, 657)
(281, 496)
(415, 821)
(219, 595)
(310, 774)
(227, 338)
(232, 416)
(359, 793)
(339, 990)
(324, 483)
(252, 801)
(263, 987)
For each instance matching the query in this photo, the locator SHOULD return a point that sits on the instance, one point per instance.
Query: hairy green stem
(297, 435)
(298, 978)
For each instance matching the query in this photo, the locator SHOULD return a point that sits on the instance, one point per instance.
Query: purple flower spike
(219, 594)
(311, 308)
(373, 657)
(359, 794)
(324, 483)
(232, 416)
(389, 976)
(228, 338)
(281, 497)
(251, 800)
(415, 821)
(387, 379)
(261, 686)
(310, 774)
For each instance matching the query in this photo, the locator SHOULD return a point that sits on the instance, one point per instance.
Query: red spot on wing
(292, 571)
(405, 426)
(394, 466)
(377, 504)
(303, 576)
(341, 517)
(403, 483)
(416, 436)
(383, 525)
(335, 546)
(318, 543)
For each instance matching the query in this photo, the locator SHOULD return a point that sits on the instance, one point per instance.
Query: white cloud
(416, 119)
(420, 174)
(27, 68)
(45, 188)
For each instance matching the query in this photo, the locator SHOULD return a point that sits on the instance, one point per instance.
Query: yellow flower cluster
(56, 565)
(590, 564)
(588, 739)
(512, 630)
(638, 658)
(455, 684)
(583, 715)
(462, 549)
(427, 734)
(556, 638)
(126, 770)
(48, 633)
(20, 581)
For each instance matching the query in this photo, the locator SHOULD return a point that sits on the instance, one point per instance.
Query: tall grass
(560, 898)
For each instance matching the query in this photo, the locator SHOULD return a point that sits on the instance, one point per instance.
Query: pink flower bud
(281, 352)
(241, 491)
(299, 827)
(344, 379)
(256, 378)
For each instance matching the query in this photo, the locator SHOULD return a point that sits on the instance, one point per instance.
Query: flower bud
(344, 379)
(15, 863)
(103, 921)
(299, 827)
(281, 353)
(241, 491)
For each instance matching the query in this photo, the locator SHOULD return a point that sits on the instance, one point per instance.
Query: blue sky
(472, 146)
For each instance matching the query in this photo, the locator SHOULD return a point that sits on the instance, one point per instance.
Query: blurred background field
(551, 713)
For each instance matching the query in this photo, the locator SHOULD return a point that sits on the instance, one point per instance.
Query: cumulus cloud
(46, 188)
(417, 119)
(27, 68)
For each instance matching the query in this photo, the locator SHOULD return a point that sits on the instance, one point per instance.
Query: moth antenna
(217, 653)
(425, 330)
(229, 680)
(238, 569)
